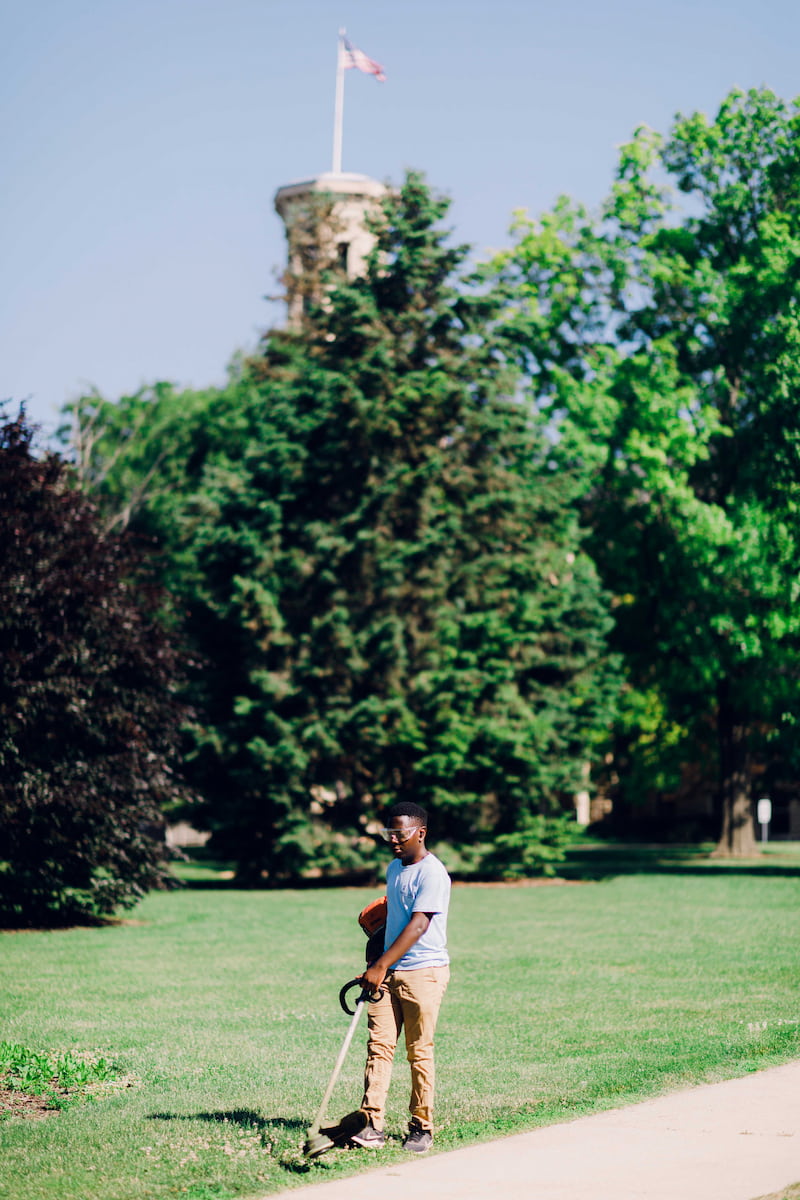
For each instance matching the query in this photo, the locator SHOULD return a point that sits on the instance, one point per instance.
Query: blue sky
(143, 141)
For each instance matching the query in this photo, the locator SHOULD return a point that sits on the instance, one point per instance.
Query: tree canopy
(663, 341)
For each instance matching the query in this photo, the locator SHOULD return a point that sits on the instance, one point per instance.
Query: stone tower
(325, 228)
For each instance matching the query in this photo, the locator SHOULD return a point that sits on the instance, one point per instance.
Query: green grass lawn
(219, 1008)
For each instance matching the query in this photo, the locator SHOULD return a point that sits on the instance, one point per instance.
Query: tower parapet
(325, 221)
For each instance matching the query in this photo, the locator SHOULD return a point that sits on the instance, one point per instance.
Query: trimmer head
(320, 1141)
(317, 1144)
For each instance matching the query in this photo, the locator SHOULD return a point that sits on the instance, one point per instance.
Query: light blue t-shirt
(419, 887)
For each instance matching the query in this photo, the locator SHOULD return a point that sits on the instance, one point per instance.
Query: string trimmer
(372, 920)
(319, 1140)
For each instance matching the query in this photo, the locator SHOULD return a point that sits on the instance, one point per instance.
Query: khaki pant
(411, 1001)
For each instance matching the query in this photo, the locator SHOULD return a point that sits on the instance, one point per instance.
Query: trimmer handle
(371, 997)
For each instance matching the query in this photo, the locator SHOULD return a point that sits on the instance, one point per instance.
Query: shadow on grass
(606, 860)
(291, 1158)
(591, 862)
(203, 876)
(243, 1117)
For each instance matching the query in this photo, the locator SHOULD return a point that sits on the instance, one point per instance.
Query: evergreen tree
(384, 575)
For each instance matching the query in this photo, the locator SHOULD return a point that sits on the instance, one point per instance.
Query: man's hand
(374, 975)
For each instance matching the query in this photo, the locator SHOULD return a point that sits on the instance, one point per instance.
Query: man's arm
(375, 974)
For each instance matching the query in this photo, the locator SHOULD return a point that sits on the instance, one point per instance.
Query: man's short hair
(406, 809)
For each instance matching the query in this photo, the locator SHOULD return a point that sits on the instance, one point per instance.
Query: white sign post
(764, 816)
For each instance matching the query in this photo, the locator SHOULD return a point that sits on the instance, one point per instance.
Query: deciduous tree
(89, 720)
(663, 343)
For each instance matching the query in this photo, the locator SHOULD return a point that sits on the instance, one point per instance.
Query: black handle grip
(371, 997)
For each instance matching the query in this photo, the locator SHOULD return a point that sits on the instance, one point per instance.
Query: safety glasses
(398, 835)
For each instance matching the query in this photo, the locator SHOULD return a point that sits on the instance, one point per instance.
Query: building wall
(343, 239)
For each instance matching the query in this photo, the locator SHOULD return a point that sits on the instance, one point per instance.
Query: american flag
(353, 57)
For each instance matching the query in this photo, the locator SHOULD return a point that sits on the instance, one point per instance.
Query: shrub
(89, 719)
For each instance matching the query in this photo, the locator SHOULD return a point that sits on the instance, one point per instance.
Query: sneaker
(369, 1137)
(418, 1139)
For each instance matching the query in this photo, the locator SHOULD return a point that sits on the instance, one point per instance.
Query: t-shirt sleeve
(434, 893)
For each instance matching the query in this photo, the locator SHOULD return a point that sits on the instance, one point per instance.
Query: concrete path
(738, 1140)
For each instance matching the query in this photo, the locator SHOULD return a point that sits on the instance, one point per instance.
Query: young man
(413, 972)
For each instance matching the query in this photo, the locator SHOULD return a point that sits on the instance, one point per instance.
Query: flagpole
(338, 111)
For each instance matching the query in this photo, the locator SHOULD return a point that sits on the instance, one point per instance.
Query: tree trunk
(737, 837)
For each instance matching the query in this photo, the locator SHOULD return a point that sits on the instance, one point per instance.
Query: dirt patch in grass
(20, 1104)
(35, 1083)
(16, 1103)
